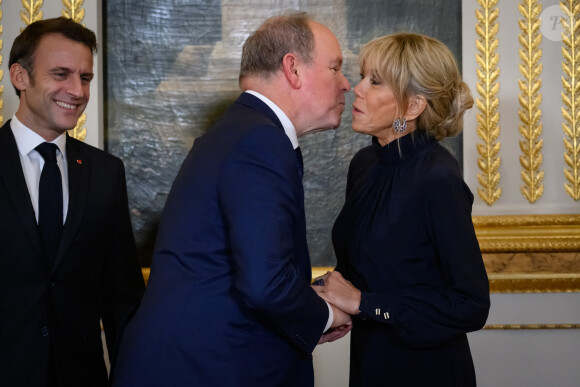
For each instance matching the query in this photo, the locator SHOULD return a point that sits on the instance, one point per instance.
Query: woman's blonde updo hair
(414, 64)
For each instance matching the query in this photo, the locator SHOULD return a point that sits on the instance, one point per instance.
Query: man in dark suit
(67, 261)
(229, 301)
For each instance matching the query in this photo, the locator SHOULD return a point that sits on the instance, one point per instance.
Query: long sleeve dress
(405, 238)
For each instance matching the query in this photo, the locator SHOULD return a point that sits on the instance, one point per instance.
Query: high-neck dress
(405, 238)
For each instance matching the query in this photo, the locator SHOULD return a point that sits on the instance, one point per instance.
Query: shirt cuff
(330, 317)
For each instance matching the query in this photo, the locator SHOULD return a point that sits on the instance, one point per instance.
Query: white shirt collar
(27, 139)
(286, 123)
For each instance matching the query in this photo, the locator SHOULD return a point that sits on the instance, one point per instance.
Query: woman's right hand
(339, 292)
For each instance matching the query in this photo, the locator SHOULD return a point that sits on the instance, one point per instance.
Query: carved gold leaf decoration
(487, 87)
(530, 98)
(31, 11)
(79, 132)
(74, 10)
(571, 95)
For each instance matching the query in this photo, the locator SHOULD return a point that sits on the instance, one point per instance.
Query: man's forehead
(326, 44)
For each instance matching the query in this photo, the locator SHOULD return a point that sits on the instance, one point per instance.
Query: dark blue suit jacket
(229, 301)
(96, 275)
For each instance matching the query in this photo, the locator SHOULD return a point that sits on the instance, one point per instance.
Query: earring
(400, 126)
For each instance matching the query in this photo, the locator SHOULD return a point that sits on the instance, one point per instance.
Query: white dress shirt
(32, 162)
(290, 131)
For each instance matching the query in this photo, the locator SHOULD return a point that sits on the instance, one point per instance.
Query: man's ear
(290, 67)
(415, 107)
(19, 76)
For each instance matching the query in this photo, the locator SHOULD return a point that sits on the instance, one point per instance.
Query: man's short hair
(264, 50)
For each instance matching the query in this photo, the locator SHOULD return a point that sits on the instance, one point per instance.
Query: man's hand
(335, 333)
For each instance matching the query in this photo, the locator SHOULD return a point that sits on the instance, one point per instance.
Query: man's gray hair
(264, 50)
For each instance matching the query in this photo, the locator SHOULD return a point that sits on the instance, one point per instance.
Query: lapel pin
(79, 162)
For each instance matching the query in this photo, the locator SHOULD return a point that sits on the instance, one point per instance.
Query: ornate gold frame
(521, 234)
(530, 234)
(525, 234)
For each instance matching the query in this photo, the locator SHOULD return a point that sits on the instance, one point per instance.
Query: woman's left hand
(338, 291)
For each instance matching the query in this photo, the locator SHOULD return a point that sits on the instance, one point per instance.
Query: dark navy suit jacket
(96, 274)
(229, 301)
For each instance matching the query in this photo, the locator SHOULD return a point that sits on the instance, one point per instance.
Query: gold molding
(530, 326)
(571, 95)
(317, 271)
(534, 283)
(320, 270)
(488, 128)
(528, 233)
(515, 234)
(498, 283)
(530, 99)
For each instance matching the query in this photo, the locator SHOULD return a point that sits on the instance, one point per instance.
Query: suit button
(51, 284)
(44, 331)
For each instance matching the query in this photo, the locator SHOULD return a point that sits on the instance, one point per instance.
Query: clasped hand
(343, 297)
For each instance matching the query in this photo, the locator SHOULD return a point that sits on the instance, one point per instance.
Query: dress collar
(403, 148)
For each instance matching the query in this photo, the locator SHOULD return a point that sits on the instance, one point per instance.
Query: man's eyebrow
(337, 61)
(65, 69)
(68, 71)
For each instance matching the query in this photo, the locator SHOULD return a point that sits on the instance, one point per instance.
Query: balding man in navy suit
(229, 302)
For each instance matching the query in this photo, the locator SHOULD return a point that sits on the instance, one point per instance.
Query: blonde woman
(408, 261)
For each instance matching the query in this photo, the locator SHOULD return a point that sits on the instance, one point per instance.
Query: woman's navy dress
(405, 238)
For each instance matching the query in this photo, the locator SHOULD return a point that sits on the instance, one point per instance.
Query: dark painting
(171, 68)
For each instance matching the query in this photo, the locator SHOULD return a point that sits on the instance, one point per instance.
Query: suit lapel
(13, 179)
(78, 186)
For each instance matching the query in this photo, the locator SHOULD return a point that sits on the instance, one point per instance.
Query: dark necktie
(300, 162)
(50, 201)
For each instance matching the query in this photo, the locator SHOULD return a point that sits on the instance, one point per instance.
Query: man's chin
(321, 129)
(69, 124)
